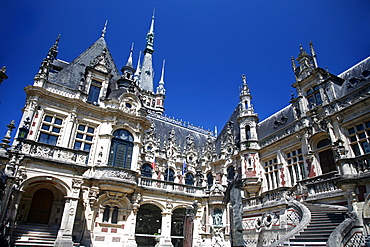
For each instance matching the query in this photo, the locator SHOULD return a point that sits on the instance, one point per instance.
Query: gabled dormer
(315, 86)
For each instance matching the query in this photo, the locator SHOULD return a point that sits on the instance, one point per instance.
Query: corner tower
(247, 121)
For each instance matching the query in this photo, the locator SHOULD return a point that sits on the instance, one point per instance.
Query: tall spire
(160, 88)
(150, 37)
(104, 29)
(138, 69)
(313, 54)
(129, 60)
(147, 73)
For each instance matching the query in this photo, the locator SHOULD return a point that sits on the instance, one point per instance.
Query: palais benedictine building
(95, 161)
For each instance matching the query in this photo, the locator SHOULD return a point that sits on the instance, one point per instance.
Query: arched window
(114, 215)
(148, 222)
(323, 143)
(177, 226)
(106, 214)
(247, 132)
(209, 179)
(146, 170)
(189, 179)
(108, 217)
(230, 173)
(169, 175)
(121, 149)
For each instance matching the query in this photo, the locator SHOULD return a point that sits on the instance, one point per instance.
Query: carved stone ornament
(101, 62)
(217, 190)
(115, 174)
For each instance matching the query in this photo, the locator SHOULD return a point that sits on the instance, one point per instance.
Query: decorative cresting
(60, 154)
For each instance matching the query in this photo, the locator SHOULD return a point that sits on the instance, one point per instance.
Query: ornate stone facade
(111, 170)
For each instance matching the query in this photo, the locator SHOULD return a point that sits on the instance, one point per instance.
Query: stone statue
(233, 195)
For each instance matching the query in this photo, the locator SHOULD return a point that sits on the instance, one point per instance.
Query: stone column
(89, 197)
(131, 221)
(165, 240)
(350, 190)
(64, 237)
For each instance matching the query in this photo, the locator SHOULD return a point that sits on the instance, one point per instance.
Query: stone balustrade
(276, 196)
(362, 163)
(55, 153)
(172, 187)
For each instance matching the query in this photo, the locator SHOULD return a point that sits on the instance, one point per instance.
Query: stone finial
(6, 140)
(3, 76)
(104, 29)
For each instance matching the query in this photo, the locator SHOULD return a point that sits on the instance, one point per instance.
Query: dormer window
(314, 97)
(94, 92)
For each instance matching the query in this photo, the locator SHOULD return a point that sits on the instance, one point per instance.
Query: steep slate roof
(164, 125)
(355, 77)
(71, 74)
(235, 129)
(273, 122)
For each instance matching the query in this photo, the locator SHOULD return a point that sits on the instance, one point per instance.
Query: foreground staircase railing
(324, 221)
(306, 218)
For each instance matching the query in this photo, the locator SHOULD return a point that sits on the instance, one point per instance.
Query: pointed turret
(245, 96)
(147, 73)
(247, 119)
(313, 55)
(129, 60)
(150, 38)
(128, 71)
(160, 88)
(138, 70)
(159, 105)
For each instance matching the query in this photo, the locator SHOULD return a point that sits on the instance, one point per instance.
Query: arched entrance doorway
(326, 156)
(148, 225)
(42, 202)
(177, 227)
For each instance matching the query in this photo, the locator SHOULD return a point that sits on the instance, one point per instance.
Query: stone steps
(35, 235)
(324, 219)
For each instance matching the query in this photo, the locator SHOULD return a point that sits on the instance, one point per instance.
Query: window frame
(314, 97)
(50, 129)
(83, 140)
(359, 138)
(272, 173)
(295, 164)
(93, 95)
(121, 147)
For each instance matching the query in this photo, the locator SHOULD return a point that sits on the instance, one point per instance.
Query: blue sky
(207, 46)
